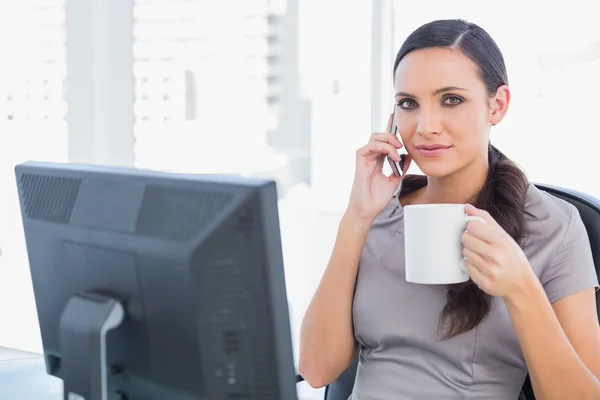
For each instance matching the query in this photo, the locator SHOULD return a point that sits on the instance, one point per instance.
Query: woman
(530, 303)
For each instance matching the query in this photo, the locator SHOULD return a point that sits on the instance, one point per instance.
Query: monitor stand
(84, 323)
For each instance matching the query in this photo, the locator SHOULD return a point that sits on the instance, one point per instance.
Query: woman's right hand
(372, 190)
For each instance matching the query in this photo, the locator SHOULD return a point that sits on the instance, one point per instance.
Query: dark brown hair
(503, 194)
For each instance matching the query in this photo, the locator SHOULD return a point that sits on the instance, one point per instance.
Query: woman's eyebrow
(436, 92)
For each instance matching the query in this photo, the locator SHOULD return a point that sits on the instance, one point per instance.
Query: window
(32, 110)
(202, 102)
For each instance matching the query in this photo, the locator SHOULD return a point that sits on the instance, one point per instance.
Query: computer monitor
(156, 285)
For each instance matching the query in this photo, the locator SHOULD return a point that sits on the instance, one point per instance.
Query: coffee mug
(432, 243)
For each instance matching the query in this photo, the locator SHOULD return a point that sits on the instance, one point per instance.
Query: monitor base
(84, 323)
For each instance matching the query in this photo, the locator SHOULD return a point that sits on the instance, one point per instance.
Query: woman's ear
(499, 104)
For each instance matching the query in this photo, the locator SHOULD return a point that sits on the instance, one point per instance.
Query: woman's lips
(432, 150)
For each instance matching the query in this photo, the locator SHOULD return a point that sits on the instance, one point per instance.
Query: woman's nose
(429, 123)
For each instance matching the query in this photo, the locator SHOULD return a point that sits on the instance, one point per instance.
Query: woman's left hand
(494, 261)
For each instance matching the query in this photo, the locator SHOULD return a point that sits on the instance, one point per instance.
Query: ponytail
(503, 196)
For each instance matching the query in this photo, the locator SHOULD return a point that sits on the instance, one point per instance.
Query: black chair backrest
(589, 208)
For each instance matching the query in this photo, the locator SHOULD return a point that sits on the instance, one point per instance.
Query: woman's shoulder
(547, 217)
(549, 214)
(541, 206)
(557, 244)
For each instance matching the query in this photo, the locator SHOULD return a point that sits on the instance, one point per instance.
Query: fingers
(382, 144)
(472, 210)
(474, 259)
(376, 148)
(387, 138)
(475, 244)
(481, 280)
(484, 231)
(489, 231)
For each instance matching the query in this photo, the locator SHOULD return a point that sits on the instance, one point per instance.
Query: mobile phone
(397, 166)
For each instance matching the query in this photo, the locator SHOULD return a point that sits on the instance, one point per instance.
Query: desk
(23, 377)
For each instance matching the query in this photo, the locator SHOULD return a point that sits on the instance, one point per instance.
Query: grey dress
(400, 353)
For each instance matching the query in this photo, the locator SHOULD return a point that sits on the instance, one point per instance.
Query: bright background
(285, 89)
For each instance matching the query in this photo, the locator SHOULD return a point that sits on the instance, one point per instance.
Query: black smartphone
(397, 166)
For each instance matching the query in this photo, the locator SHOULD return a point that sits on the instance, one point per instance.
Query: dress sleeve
(571, 269)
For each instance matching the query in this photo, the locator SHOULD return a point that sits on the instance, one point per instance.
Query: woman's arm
(555, 317)
(560, 342)
(327, 344)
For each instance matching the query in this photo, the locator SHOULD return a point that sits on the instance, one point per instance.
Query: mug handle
(469, 218)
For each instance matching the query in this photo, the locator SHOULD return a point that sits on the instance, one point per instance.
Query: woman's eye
(452, 100)
(407, 104)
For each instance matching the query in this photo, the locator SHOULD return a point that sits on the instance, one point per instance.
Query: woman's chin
(435, 170)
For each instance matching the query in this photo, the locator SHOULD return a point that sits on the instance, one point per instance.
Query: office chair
(589, 208)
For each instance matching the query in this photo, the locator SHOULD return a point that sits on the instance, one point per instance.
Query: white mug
(432, 243)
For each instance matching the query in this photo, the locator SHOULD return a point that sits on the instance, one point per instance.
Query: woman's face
(444, 112)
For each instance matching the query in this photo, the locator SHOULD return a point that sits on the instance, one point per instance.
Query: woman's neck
(458, 188)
